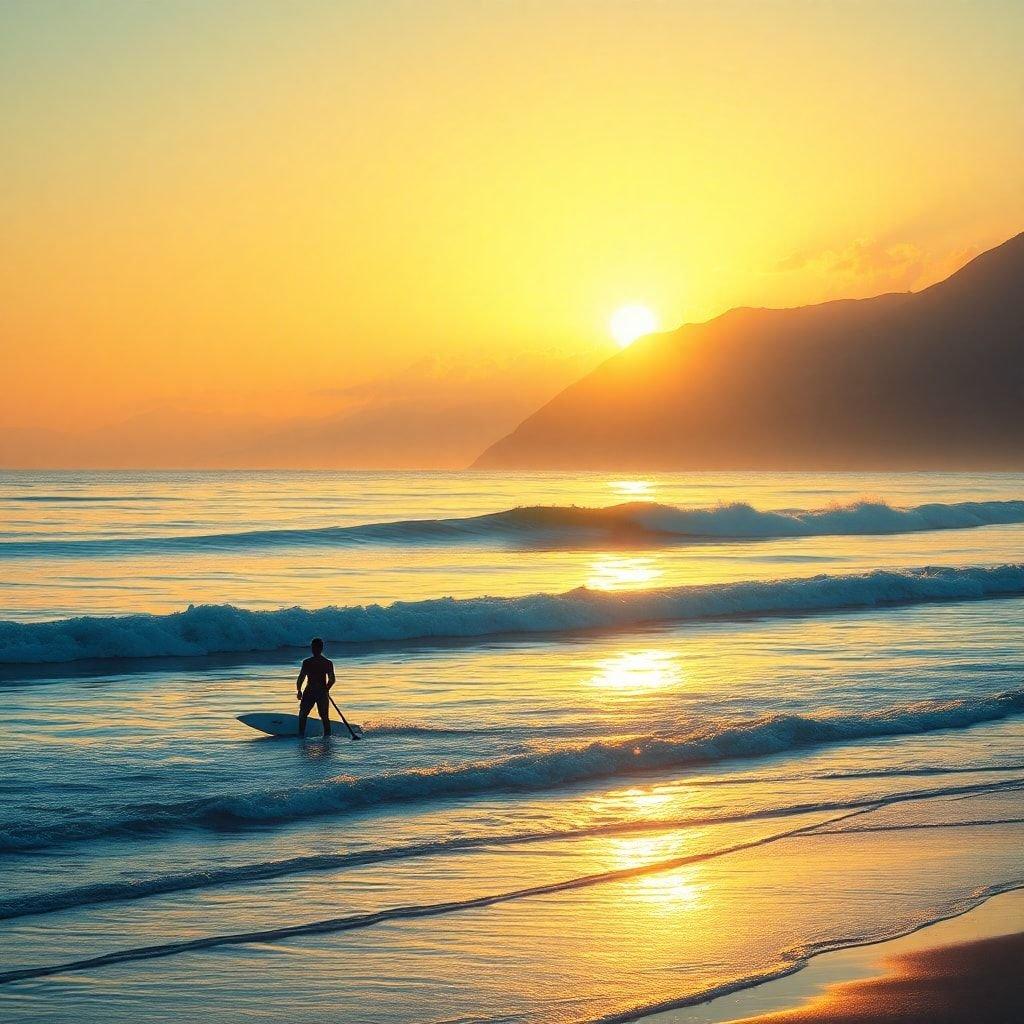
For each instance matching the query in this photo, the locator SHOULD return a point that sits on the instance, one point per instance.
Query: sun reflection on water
(642, 800)
(632, 488)
(637, 672)
(669, 890)
(639, 803)
(624, 572)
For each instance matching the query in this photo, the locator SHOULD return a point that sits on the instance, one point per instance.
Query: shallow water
(597, 815)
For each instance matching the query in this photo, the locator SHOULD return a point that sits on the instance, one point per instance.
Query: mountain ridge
(904, 380)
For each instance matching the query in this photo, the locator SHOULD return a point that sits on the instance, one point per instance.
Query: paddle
(351, 731)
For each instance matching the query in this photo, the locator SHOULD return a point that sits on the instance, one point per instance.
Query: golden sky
(380, 233)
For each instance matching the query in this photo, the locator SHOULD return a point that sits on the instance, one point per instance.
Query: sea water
(630, 742)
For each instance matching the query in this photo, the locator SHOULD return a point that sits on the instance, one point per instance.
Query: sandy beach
(964, 969)
(975, 982)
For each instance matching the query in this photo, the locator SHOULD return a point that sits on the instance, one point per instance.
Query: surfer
(318, 673)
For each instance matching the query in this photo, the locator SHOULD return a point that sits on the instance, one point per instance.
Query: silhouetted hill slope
(925, 380)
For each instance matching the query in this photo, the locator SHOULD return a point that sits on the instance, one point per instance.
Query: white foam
(741, 520)
(544, 769)
(569, 526)
(213, 629)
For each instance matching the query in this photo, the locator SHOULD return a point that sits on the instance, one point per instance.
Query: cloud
(860, 258)
(875, 265)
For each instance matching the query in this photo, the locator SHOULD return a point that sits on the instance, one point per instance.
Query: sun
(631, 322)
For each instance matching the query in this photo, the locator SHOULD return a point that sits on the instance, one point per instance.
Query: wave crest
(632, 523)
(222, 629)
(540, 770)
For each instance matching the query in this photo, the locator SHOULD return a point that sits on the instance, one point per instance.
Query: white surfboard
(288, 725)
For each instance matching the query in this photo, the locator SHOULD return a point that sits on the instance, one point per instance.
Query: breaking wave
(539, 770)
(222, 629)
(636, 523)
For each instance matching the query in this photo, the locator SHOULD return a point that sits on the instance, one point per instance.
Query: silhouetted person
(318, 673)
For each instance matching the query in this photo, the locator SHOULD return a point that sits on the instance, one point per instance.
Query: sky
(378, 234)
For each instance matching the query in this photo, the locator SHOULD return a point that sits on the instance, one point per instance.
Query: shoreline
(856, 972)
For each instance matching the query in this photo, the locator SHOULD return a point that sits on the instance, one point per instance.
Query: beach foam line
(356, 921)
(916, 825)
(921, 770)
(894, 772)
(544, 769)
(401, 728)
(631, 523)
(49, 901)
(222, 629)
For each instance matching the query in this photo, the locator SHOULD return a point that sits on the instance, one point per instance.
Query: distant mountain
(917, 380)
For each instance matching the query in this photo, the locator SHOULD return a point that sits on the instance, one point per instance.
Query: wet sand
(963, 970)
(973, 983)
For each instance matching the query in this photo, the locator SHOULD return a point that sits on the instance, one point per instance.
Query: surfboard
(288, 725)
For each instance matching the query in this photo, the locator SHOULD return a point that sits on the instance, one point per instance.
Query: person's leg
(324, 707)
(305, 706)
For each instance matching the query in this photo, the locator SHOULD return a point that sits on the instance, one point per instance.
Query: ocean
(630, 742)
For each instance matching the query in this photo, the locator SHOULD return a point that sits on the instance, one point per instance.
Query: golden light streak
(636, 672)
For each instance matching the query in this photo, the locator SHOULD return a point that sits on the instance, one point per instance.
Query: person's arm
(330, 674)
(299, 681)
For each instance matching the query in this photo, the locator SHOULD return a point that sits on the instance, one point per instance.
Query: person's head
(317, 644)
